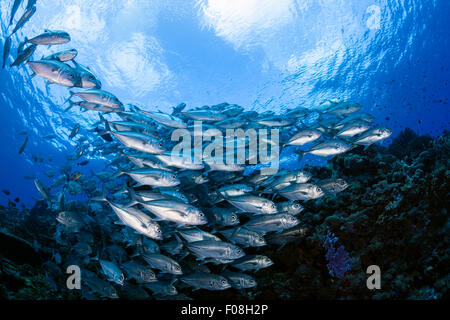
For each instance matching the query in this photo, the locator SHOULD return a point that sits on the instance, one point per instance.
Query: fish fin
(70, 97)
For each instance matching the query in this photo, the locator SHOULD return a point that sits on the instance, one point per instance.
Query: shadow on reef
(394, 214)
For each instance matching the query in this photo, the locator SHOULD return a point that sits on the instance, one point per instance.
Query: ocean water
(392, 57)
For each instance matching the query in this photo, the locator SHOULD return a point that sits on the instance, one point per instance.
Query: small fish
(112, 272)
(304, 136)
(373, 135)
(138, 221)
(252, 263)
(56, 72)
(42, 189)
(49, 137)
(175, 211)
(163, 263)
(196, 234)
(215, 249)
(208, 281)
(62, 56)
(253, 204)
(269, 223)
(240, 280)
(329, 148)
(24, 19)
(353, 128)
(100, 97)
(244, 237)
(24, 144)
(6, 50)
(50, 38)
(139, 272)
(23, 54)
(14, 8)
(74, 131)
(302, 191)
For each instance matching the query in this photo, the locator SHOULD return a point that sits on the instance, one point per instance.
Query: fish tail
(69, 98)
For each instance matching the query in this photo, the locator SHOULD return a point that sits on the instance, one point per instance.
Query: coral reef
(394, 214)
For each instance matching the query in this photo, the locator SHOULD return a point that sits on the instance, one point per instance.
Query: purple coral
(338, 259)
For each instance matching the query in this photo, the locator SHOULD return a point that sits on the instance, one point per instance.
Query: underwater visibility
(224, 150)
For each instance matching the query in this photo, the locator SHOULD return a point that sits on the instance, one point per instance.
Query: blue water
(390, 56)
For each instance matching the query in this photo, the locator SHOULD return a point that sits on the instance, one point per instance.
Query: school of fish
(154, 223)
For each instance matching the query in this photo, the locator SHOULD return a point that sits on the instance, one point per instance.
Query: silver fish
(373, 135)
(329, 148)
(24, 19)
(56, 72)
(112, 271)
(302, 191)
(252, 262)
(304, 136)
(154, 177)
(139, 272)
(244, 237)
(208, 281)
(196, 234)
(240, 280)
(166, 119)
(62, 56)
(253, 204)
(163, 263)
(50, 38)
(269, 223)
(138, 221)
(140, 142)
(175, 211)
(98, 96)
(215, 249)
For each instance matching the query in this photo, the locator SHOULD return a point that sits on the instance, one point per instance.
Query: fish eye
(91, 78)
(172, 289)
(183, 197)
(211, 283)
(160, 144)
(296, 206)
(174, 176)
(224, 282)
(238, 250)
(233, 218)
(251, 281)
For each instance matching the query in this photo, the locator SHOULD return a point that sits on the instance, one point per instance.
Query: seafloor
(394, 214)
